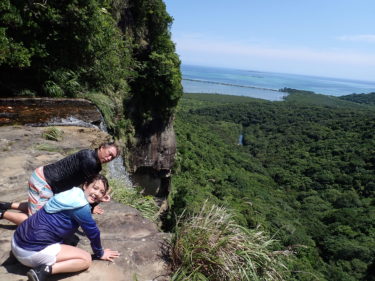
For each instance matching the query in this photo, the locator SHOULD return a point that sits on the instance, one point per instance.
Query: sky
(331, 38)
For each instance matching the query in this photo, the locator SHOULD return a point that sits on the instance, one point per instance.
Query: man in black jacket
(62, 175)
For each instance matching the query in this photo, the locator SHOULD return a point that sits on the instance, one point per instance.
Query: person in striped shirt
(57, 177)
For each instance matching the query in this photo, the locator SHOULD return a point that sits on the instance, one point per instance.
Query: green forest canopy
(304, 172)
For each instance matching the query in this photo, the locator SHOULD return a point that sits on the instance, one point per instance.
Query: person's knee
(87, 259)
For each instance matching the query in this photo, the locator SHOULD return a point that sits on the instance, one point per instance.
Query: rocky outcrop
(143, 248)
(152, 159)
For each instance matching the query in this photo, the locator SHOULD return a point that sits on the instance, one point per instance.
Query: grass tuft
(47, 147)
(53, 133)
(131, 197)
(211, 246)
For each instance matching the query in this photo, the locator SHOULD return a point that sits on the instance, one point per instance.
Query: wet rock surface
(45, 112)
(141, 245)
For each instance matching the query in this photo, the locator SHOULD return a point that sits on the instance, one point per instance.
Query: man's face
(106, 154)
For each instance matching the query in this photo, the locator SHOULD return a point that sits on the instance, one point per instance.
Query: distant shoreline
(229, 84)
(241, 81)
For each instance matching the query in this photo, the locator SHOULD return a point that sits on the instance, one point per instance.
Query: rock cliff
(152, 159)
(142, 246)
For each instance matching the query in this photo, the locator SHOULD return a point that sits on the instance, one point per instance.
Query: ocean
(264, 85)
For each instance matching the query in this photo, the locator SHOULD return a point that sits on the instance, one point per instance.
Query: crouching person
(37, 242)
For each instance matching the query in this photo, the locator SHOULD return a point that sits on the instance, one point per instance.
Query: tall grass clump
(211, 246)
(131, 197)
(53, 133)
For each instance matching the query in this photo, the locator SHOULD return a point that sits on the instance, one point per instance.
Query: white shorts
(46, 256)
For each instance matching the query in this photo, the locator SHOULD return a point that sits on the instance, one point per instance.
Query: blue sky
(333, 38)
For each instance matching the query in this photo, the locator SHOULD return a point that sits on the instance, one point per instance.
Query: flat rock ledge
(142, 246)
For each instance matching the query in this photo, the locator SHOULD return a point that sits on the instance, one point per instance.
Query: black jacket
(72, 170)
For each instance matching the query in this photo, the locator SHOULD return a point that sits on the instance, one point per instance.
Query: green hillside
(360, 98)
(311, 98)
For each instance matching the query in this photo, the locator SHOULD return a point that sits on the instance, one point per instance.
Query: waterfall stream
(117, 171)
(68, 121)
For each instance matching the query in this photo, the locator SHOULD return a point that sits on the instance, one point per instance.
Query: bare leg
(20, 206)
(15, 217)
(71, 259)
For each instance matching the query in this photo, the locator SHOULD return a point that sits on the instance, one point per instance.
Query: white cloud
(198, 44)
(202, 50)
(358, 38)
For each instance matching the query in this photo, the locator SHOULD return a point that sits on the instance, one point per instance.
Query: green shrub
(51, 89)
(67, 80)
(131, 197)
(53, 133)
(105, 105)
(27, 93)
(211, 246)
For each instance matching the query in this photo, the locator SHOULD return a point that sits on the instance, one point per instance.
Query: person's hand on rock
(110, 255)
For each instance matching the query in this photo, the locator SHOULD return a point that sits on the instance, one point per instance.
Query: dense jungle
(302, 169)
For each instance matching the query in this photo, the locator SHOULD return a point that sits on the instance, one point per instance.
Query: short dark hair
(101, 178)
(109, 144)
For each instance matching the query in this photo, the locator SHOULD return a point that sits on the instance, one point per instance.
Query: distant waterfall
(240, 140)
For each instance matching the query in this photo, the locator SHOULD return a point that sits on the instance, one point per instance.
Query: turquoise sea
(264, 85)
